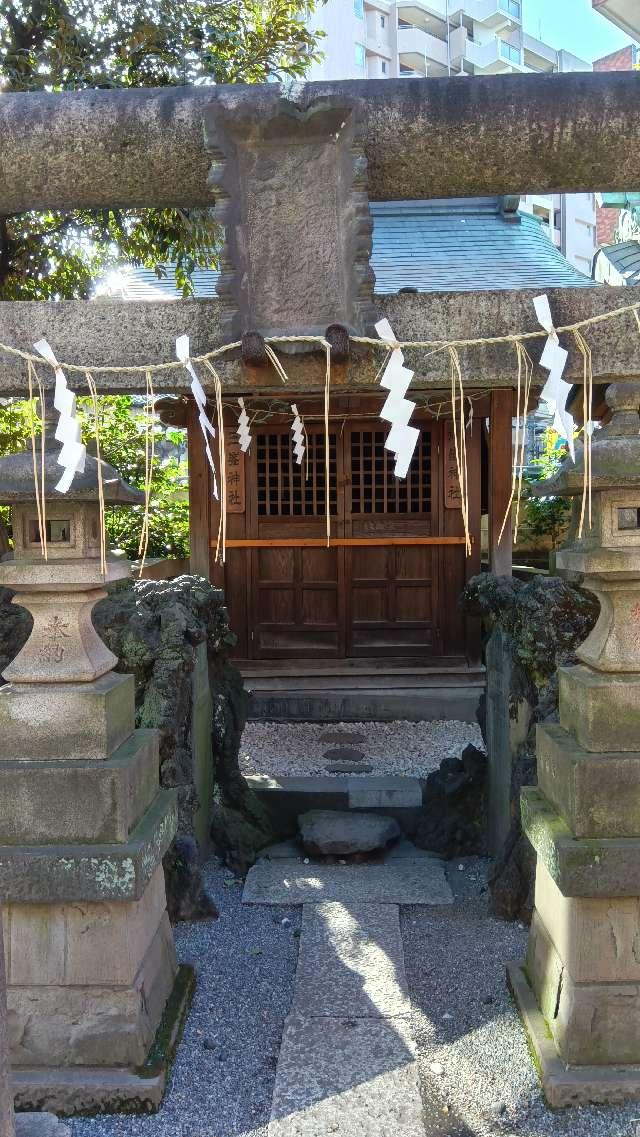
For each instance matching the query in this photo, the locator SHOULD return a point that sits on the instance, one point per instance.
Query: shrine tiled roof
(456, 245)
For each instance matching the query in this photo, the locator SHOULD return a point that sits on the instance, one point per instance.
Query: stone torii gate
(290, 171)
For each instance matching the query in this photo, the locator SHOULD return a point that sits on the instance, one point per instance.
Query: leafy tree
(546, 516)
(73, 44)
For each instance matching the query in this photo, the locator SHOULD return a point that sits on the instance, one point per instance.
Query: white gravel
(222, 1081)
(467, 1029)
(413, 748)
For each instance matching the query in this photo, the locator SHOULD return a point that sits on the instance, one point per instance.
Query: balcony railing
(415, 41)
(491, 13)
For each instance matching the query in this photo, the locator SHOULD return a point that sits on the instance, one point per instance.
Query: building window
(358, 7)
(511, 7)
(360, 55)
(508, 51)
(383, 67)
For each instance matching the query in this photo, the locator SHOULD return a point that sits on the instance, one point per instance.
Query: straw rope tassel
(103, 538)
(327, 457)
(528, 378)
(38, 487)
(221, 543)
(149, 458)
(587, 410)
(514, 471)
(457, 391)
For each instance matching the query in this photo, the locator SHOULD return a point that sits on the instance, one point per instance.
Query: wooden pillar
(500, 474)
(199, 495)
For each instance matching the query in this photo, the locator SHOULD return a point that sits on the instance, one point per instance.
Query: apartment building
(408, 38)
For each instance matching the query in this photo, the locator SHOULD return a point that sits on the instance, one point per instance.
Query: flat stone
(351, 962)
(344, 754)
(346, 1076)
(343, 738)
(385, 792)
(566, 1085)
(58, 802)
(283, 850)
(62, 873)
(401, 882)
(349, 768)
(579, 866)
(40, 1125)
(332, 832)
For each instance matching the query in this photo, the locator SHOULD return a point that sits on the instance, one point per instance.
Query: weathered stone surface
(92, 719)
(359, 1076)
(63, 646)
(406, 881)
(423, 138)
(290, 186)
(597, 940)
(40, 806)
(40, 1125)
(385, 793)
(79, 945)
(565, 1085)
(453, 820)
(329, 832)
(591, 1023)
(97, 1025)
(6, 1095)
(580, 867)
(598, 795)
(102, 334)
(351, 962)
(602, 711)
(65, 873)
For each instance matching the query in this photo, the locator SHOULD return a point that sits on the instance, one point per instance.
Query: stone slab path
(347, 1065)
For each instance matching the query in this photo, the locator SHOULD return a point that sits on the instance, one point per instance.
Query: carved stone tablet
(291, 193)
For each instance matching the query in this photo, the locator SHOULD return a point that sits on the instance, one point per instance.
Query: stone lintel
(566, 1085)
(63, 722)
(580, 867)
(594, 1023)
(422, 138)
(601, 710)
(58, 802)
(106, 332)
(59, 874)
(598, 795)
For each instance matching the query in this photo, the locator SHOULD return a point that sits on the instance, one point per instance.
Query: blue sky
(574, 25)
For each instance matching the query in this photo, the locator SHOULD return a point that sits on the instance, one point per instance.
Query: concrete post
(580, 995)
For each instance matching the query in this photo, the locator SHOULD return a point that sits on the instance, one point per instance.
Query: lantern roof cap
(17, 482)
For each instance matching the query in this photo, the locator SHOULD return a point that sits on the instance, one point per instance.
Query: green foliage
(546, 516)
(122, 443)
(73, 44)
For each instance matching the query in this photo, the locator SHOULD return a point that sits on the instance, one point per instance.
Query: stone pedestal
(580, 991)
(7, 1128)
(90, 962)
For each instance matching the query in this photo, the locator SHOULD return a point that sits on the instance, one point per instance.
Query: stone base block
(606, 867)
(601, 710)
(48, 803)
(598, 940)
(597, 794)
(79, 945)
(97, 1025)
(60, 874)
(109, 1089)
(50, 722)
(594, 1023)
(563, 1084)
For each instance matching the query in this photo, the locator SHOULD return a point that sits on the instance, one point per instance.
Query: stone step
(288, 796)
(375, 704)
(401, 881)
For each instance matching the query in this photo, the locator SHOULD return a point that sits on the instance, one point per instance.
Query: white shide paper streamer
(556, 390)
(197, 390)
(73, 452)
(243, 432)
(298, 435)
(397, 410)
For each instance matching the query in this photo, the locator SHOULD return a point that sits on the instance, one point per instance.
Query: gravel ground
(484, 1084)
(222, 1082)
(414, 748)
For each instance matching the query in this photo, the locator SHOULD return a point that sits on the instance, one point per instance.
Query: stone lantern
(580, 993)
(84, 824)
